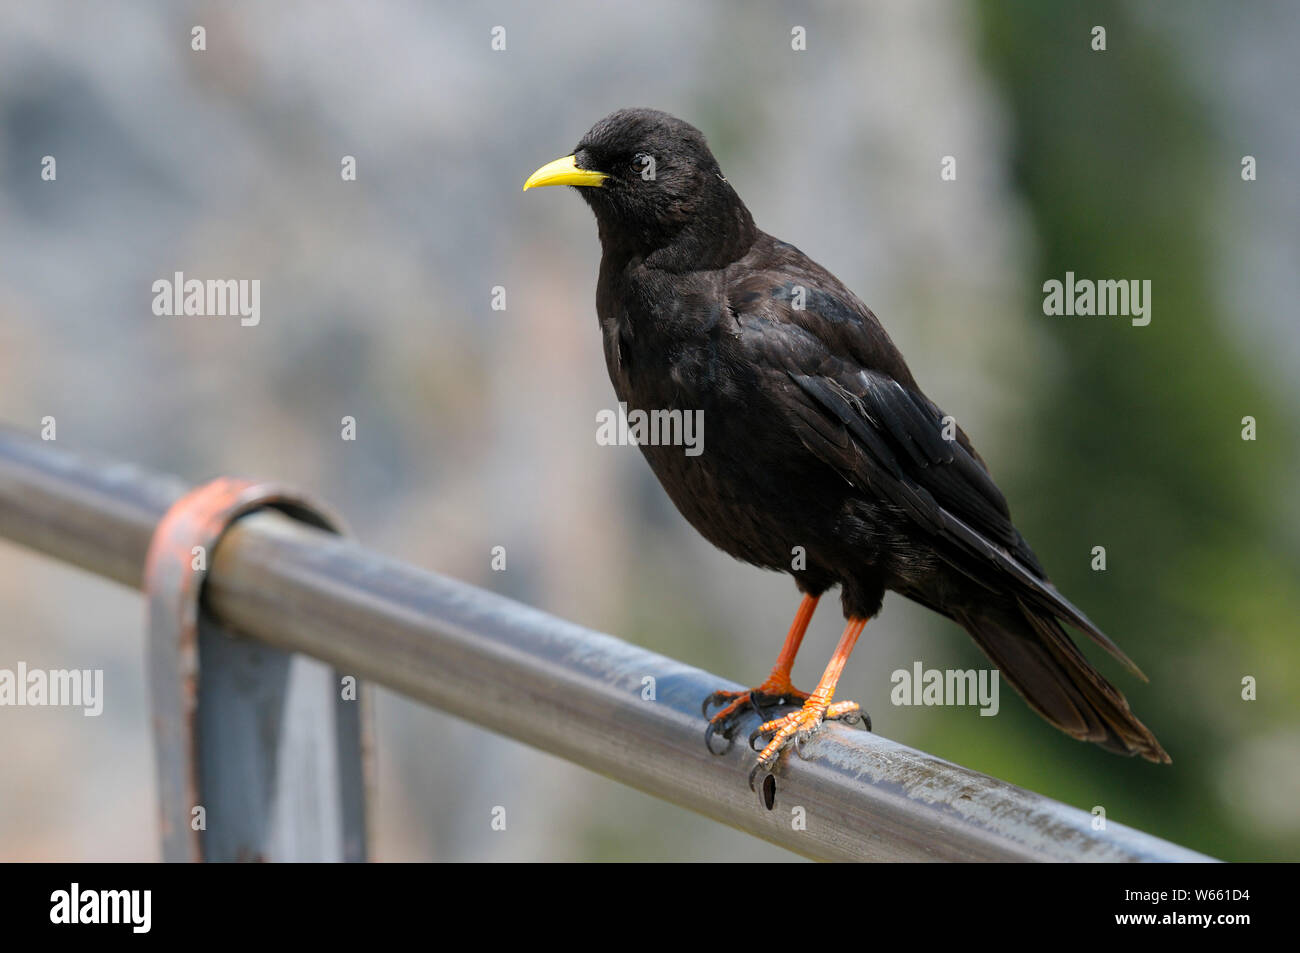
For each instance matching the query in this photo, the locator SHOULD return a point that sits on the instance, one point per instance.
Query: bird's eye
(644, 165)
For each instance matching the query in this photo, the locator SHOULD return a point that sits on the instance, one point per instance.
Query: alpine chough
(823, 457)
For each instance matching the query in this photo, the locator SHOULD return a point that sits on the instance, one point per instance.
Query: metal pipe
(98, 515)
(615, 708)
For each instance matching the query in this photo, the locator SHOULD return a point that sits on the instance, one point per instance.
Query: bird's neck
(718, 232)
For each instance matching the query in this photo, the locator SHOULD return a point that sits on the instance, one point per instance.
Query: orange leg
(777, 685)
(799, 725)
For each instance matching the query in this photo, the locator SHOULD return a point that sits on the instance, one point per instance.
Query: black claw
(710, 731)
(710, 700)
(756, 733)
(801, 739)
(753, 774)
(866, 721)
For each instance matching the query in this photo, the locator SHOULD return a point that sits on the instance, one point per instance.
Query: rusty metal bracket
(261, 752)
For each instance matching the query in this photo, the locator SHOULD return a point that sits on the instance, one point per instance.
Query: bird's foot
(798, 727)
(776, 690)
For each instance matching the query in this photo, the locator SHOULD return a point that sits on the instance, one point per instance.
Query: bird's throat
(709, 237)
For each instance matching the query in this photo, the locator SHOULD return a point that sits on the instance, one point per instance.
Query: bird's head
(653, 183)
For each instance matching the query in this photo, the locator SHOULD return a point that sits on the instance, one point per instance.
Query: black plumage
(816, 434)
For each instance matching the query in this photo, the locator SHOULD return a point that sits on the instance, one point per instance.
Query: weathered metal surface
(258, 755)
(580, 694)
(95, 514)
(574, 692)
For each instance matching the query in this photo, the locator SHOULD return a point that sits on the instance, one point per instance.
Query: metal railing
(292, 589)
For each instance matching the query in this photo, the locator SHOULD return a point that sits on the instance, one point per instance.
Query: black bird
(822, 456)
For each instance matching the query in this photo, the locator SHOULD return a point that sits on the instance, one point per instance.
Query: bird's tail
(1040, 660)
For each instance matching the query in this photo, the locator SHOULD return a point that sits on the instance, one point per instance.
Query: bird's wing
(888, 439)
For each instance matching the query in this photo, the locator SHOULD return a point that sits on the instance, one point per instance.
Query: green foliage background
(1136, 443)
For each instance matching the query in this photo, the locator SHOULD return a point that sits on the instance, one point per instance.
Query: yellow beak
(564, 172)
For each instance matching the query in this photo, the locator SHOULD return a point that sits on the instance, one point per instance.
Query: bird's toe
(727, 732)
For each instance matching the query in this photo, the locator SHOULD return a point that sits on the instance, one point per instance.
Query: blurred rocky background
(476, 426)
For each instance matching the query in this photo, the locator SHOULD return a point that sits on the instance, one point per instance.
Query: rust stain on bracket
(180, 552)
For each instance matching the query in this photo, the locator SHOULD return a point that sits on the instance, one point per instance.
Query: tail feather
(1025, 570)
(1040, 660)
